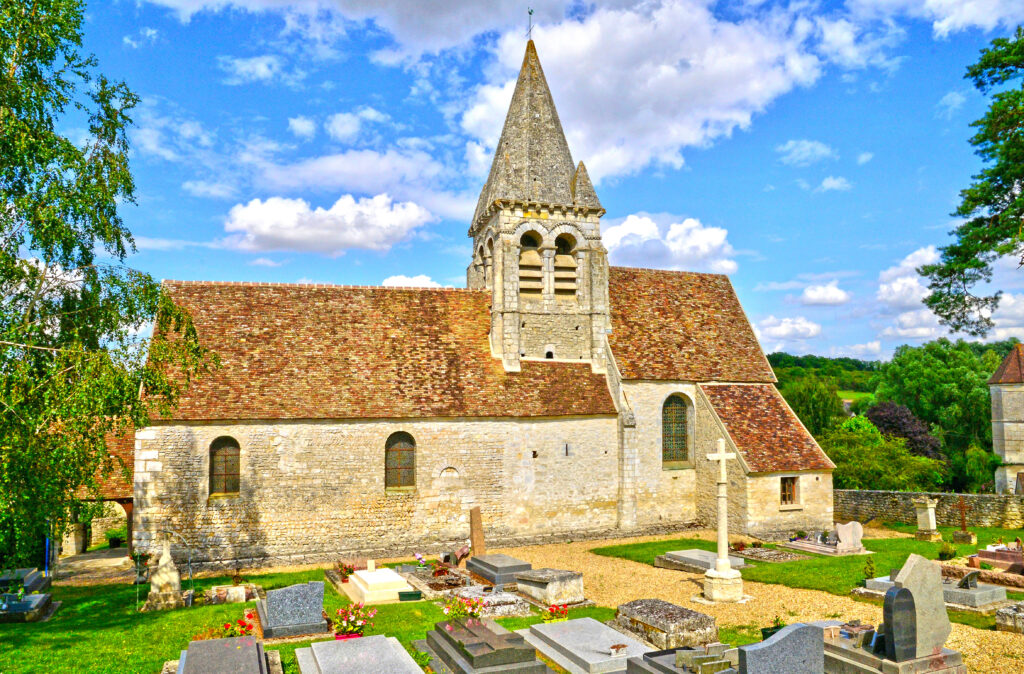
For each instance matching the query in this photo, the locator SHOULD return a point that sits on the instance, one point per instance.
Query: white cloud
(146, 35)
(900, 286)
(864, 158)
(949, 104)
(202, 188)
(418, 281)
(866, 350)
(947, 16)
(789, 328)
(291, 224)
(266, 68)
(829, 294)
(804, 152)
(920, 324)
(302, 127)
(345, 126)
(688, 245)
(834, 183)
(265, 262)
(852, 45)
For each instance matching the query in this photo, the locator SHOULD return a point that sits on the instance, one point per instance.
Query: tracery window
(400, 460)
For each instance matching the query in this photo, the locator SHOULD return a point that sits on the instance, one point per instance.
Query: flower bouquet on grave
(438, 568)
(556, 613)
(345, 570)
(243, 627)
(464, 607)
(421, 560)
(349, 622)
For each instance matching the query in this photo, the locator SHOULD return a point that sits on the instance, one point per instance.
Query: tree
(815, 401)
(994, 202)
(900, 422)
(72, 362)
(866, 459)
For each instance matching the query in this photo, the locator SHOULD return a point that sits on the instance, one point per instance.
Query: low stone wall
(986, 510)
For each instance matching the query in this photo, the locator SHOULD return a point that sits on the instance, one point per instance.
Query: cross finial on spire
(529, 29)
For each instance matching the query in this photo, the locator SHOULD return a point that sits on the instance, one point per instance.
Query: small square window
(788, 493)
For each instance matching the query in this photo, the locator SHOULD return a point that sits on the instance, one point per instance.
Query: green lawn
(98, 629)
(852, 395)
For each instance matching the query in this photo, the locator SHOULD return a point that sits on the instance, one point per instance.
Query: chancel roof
(764, 429)
(292, 351)
(1011, 370)
(681, 326)
(532, 162)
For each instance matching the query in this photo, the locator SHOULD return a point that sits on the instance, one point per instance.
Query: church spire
(532, 162)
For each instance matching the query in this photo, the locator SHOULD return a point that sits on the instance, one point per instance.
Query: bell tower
(537, 238)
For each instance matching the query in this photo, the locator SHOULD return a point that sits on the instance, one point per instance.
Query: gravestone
(376, 586)
(1011, 618)
(472, 646)
(29, 609)
(499, 604)
(848, 538)
(225, 656)
(924, 580)
(900, 618)
(497, 569)
(794, 648)
(583, 646)
(712, 658)
(476, 532)
(294, 610)
(377, 654)
(694, 561)
(926, 527)
(164, 584)
(551, 586)
(666, 625)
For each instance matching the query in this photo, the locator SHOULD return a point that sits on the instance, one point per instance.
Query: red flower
(227, 626)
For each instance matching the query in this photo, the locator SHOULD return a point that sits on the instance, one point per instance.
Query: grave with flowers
(350, 622)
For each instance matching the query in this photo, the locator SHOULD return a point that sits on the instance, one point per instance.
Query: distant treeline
(849, 374)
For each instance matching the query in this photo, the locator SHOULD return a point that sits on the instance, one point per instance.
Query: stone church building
(564, 397)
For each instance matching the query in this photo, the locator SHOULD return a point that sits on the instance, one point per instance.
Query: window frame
(219, 474)
(794, 502)
(687, 424)
(398, 443)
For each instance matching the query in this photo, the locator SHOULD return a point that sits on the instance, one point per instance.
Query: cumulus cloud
(375, 223)
(788, 328)
(867, 350)
(919, 324)
(947, 16)
(804, 152)
(418, 281)
(266, 68)
(146, 35)
(864, 158)
(900, 286)
(949, 104)
(302, 127)
(829, 294)
(834, 184)
(853, 45)
(688, 245)
(265, 262)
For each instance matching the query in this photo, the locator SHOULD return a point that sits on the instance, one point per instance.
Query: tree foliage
(867, 459)
(815, 401)
(72, 362)
(898, 421)
(848, 373)
(993, 204)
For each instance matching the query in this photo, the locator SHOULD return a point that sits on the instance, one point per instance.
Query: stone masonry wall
(1008, 434)
(768, 518)
(987, 510)
(312, 491)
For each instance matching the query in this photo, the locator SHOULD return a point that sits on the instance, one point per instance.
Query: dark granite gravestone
(294, 610)
(666, 625)
(473, 646)
(368, 655)
(31, 608)
(32, 579)
(497, 569)
(797, 648)
(237, 655)
(900, 619)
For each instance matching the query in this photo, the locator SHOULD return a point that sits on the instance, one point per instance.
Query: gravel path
(610, 582)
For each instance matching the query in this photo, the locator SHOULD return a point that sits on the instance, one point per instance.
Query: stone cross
(722, 563)
(963, 508)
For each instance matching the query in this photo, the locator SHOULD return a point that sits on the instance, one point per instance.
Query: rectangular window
(400, 467)
(788, 491)
(224, 471)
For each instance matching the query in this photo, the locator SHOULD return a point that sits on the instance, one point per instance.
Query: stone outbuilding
(562, 396)
(1007, 388)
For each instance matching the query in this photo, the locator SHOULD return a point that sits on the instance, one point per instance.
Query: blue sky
(811, 150)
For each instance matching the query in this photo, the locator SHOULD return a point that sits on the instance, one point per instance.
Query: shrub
(556, 612)
(865, 459)
(869, 568)
(899, 421)
(120, 533)
(947, 552)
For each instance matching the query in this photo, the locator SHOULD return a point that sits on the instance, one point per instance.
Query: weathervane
(529, 30)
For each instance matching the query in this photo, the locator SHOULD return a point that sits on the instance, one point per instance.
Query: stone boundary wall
(986, 510)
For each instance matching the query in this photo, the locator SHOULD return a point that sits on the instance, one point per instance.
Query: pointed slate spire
(583, 193)
(532, 161)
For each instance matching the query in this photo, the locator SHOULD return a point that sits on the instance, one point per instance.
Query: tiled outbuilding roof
(118, 483)
(764, 429)
(1011, 370)
(681, 326)
(292, 351)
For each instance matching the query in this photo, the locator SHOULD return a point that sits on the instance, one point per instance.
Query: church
(564, 397)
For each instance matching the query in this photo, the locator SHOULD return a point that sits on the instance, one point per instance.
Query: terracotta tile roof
(1011, 370)
(682, 326)
(122, 451)
(764, 429)
(331, 352)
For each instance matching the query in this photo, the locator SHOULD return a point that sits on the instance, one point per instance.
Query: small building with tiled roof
(1007, 388)
(562, 396)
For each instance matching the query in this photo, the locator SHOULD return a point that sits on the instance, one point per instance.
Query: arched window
(565, 267)
(224, 466)
(531, 267)
(400, 460)
(675, 432)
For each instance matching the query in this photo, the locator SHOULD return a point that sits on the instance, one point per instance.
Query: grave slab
(694, 560)
(795, 648)
(293, 611)
(1011, 618)
(32, 608)
(380, 586)
(583, 646)
(33, 580)
(368, 655)
(976, 597)
(664, 662)
(224, 656)
(472, 646)
(551, 586)
(666, 625)
(497, 569)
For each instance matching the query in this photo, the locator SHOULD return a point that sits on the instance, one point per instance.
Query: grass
(852, 395)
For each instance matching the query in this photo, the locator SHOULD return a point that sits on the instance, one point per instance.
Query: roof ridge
(276, 284)
(669, 271)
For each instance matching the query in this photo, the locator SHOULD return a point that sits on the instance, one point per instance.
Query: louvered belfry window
(400, 461)
(674, 431)
(224, 466)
